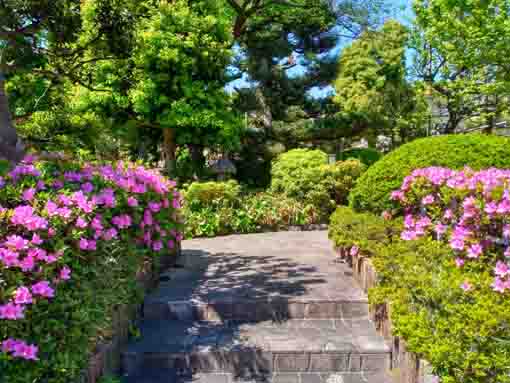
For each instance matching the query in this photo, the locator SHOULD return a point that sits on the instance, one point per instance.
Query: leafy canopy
(371, 88)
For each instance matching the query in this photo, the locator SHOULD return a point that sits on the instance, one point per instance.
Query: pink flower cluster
(20, 349)
(38, 235)
(469, 210)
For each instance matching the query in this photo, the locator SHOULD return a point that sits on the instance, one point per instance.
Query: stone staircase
(269, 307)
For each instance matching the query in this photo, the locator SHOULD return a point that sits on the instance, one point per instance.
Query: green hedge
(250, 213)
(477, 151)
(366, 231)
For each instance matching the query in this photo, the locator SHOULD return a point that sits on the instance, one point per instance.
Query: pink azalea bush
(469, 210)
(443, 268)
(60, 224)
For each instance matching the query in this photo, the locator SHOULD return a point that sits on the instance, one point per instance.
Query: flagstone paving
(272, 307)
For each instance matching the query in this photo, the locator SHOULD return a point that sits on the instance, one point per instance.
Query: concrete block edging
(407, 367)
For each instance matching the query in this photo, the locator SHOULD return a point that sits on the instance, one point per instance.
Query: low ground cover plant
(72, 238)
(221, 208)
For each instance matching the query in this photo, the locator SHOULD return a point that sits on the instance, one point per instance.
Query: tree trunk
(265, 110)
(169, 148)
(11, 147)
(453, 120)
(198, 158)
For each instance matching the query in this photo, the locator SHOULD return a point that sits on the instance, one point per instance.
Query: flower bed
(73, 238)
(445, 273)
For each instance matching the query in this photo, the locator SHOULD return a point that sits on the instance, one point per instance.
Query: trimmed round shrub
(305, 175)
(368, 156)
(295, 174)
(200, 195)
(373, 189)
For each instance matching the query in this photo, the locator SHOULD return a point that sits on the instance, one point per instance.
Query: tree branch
(236, 6)
(96, 59)
(76, 80)
(285, 2)
(27, 30)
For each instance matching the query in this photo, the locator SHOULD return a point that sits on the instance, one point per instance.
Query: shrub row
(305, 190)
(367, 232)
(219, 208)
(72, 239)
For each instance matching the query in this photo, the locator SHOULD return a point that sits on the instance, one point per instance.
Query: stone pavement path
(271, 307)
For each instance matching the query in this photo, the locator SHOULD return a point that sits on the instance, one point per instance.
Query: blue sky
(401, 10)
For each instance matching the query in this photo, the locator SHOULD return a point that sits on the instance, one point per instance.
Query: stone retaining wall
(406, 366)
(107, 357)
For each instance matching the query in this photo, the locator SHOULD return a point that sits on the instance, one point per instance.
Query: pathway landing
(271, 307)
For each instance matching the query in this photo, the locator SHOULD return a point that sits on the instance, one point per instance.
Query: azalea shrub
(478, 151)
(447, 315)
(73, 237)
(469, 210)
(446, 272)
(441, 251)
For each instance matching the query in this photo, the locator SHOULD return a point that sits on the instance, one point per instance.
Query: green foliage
(366, 231)
(371, 88)
(472, 82)
(180, 57)
(372, 192)
(464, 335)
(305, 175)
(295, 173)
(251, 213)
(367, 156)
(68, 327)
(120, 75)
(202, 195)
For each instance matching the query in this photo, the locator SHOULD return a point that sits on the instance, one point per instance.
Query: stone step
(260, 348)
(194, 295)
(169, 376)
(277, 309)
